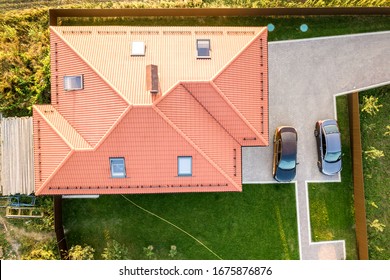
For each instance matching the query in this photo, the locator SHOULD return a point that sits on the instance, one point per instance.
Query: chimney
(152, 78)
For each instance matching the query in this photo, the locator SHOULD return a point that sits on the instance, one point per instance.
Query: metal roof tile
(205, 108)
(172, 49)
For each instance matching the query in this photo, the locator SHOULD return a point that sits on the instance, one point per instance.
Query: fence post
(59, 228)
(357, 172)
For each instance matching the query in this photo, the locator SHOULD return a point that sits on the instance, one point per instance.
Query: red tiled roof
(149, 145)
(205, 108)
(91, 111)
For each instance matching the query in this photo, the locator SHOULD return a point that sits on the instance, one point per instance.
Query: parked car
(327, 133)
(285, 154)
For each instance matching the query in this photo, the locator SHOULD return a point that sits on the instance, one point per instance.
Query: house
(150, 109)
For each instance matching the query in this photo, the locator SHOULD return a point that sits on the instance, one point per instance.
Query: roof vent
(138, 49)
(152, 78)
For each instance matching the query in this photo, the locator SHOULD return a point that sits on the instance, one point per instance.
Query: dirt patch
(13, 234)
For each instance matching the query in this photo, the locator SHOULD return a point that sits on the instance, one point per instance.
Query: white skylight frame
(117, 167)
(202, 46)
(75, 82)
(138, 48)
(184, 165)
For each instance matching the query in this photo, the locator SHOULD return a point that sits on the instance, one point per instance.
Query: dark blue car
(285, 154)
(328, 138)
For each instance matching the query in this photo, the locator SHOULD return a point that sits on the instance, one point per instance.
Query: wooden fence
(198, 12)
(357, 172)
(16, 156)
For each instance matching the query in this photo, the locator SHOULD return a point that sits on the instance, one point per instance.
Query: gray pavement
(305, 76)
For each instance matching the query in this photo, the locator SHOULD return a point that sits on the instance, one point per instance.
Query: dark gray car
(285, 154)
(327, 133)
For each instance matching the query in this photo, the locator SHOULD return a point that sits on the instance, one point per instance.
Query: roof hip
(199, 150)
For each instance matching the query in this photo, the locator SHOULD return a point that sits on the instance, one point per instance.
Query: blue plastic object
(304, 27)
(270, 27)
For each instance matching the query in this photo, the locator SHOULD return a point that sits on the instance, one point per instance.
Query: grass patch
(331, 204)
(5, 247)
(376, 134)
(259, 223)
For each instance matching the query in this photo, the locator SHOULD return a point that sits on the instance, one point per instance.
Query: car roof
(333, 142)
(289, 143)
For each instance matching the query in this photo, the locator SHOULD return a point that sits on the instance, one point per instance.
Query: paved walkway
(305, 76)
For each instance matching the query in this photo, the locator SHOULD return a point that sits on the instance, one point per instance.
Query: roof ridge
(115, 124)
(72, 149)
(91, 66)
(200, 103)
(238, 54)
(60, 134)
(193, 144)
(223, 69)
(241, 116)
(167, 92)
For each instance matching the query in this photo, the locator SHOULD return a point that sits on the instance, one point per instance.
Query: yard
(236, 235)
(331, 204)
(260, 222)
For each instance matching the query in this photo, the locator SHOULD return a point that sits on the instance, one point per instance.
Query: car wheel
(319, 165)
(315, 133)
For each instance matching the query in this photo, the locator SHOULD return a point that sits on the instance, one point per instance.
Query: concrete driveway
(305, 76)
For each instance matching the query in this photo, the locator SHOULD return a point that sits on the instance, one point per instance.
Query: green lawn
(331, 204)
(259, 223)
(376, 173)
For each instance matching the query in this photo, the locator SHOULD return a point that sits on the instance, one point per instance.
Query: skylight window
(138, 48)
(203, 48)
(184, 166)
(118, 169)
(73, 82)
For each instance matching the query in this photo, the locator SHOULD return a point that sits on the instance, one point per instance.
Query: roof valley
(211, 115)
(197, 148)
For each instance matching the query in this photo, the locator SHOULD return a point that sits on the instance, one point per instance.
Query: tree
(24, 61)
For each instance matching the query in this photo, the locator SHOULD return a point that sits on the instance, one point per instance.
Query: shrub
(370, 105)
(78, 252)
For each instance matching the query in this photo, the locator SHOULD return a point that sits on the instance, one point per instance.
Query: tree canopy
(24, 61)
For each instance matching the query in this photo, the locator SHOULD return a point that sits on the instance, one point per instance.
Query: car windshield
(332, 157)
(329, 129)
(286, 164)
